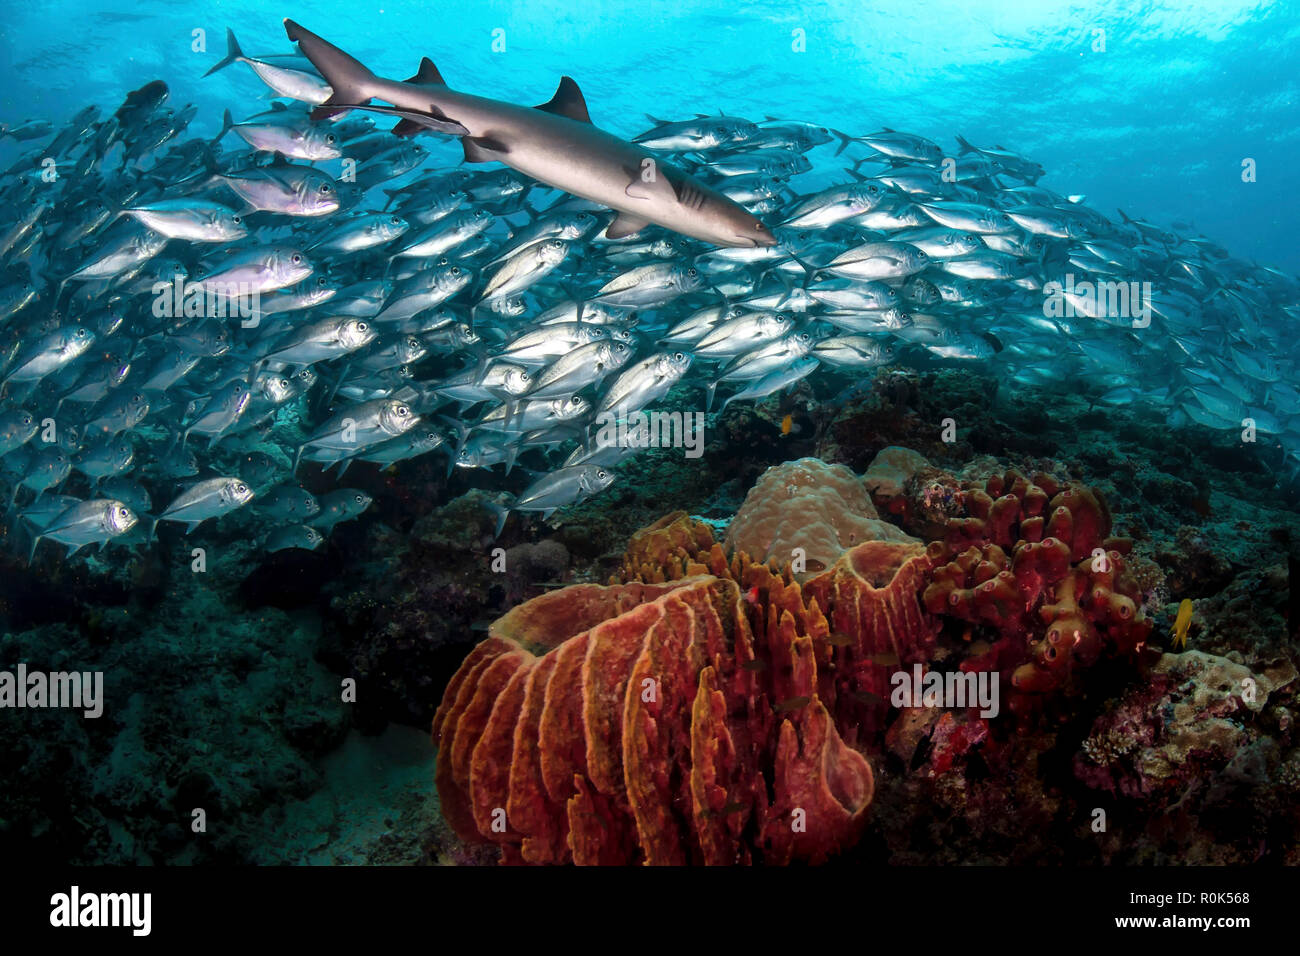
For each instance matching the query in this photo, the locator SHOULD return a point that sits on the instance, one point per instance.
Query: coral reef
(549, 747)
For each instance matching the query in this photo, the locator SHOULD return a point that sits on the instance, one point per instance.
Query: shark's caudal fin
(348, 77)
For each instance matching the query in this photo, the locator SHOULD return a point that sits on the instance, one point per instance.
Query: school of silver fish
(186, 324)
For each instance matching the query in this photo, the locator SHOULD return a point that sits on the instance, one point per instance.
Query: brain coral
(823, 509)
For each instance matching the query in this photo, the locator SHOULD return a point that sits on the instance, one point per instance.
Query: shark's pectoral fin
(483, 149)
(625, 225)
(568, 102)
(431, 118)
(427, 73)
(407, 128)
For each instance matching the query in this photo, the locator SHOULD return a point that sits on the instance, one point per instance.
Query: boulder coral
(809, 505)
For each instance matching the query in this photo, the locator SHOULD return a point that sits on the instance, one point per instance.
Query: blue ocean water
(1152, 108)
(1154, 115)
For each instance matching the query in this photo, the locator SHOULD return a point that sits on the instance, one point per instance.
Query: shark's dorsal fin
(567, 101)
(427, 73)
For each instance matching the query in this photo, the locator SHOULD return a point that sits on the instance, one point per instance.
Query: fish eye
(236, 219)
(691, 273)
(395, 221)
(403, 410)
(295, 258)
(330, 139)
(679, 356)
(325, 188)
(455, 270)
(359, 498)
(600, 473)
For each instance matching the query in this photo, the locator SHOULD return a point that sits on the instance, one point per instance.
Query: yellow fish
(787, 423)
(1183, 623)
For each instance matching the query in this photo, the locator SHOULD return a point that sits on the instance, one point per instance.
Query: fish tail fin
(844, 139)
(501, 512)
(965, 147)
(227, 122)
(348, 77)
(233, 53)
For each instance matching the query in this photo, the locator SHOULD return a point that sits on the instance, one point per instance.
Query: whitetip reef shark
(554, 143)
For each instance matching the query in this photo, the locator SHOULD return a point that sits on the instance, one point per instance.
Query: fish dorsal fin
(567, 101)
(427, 73)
